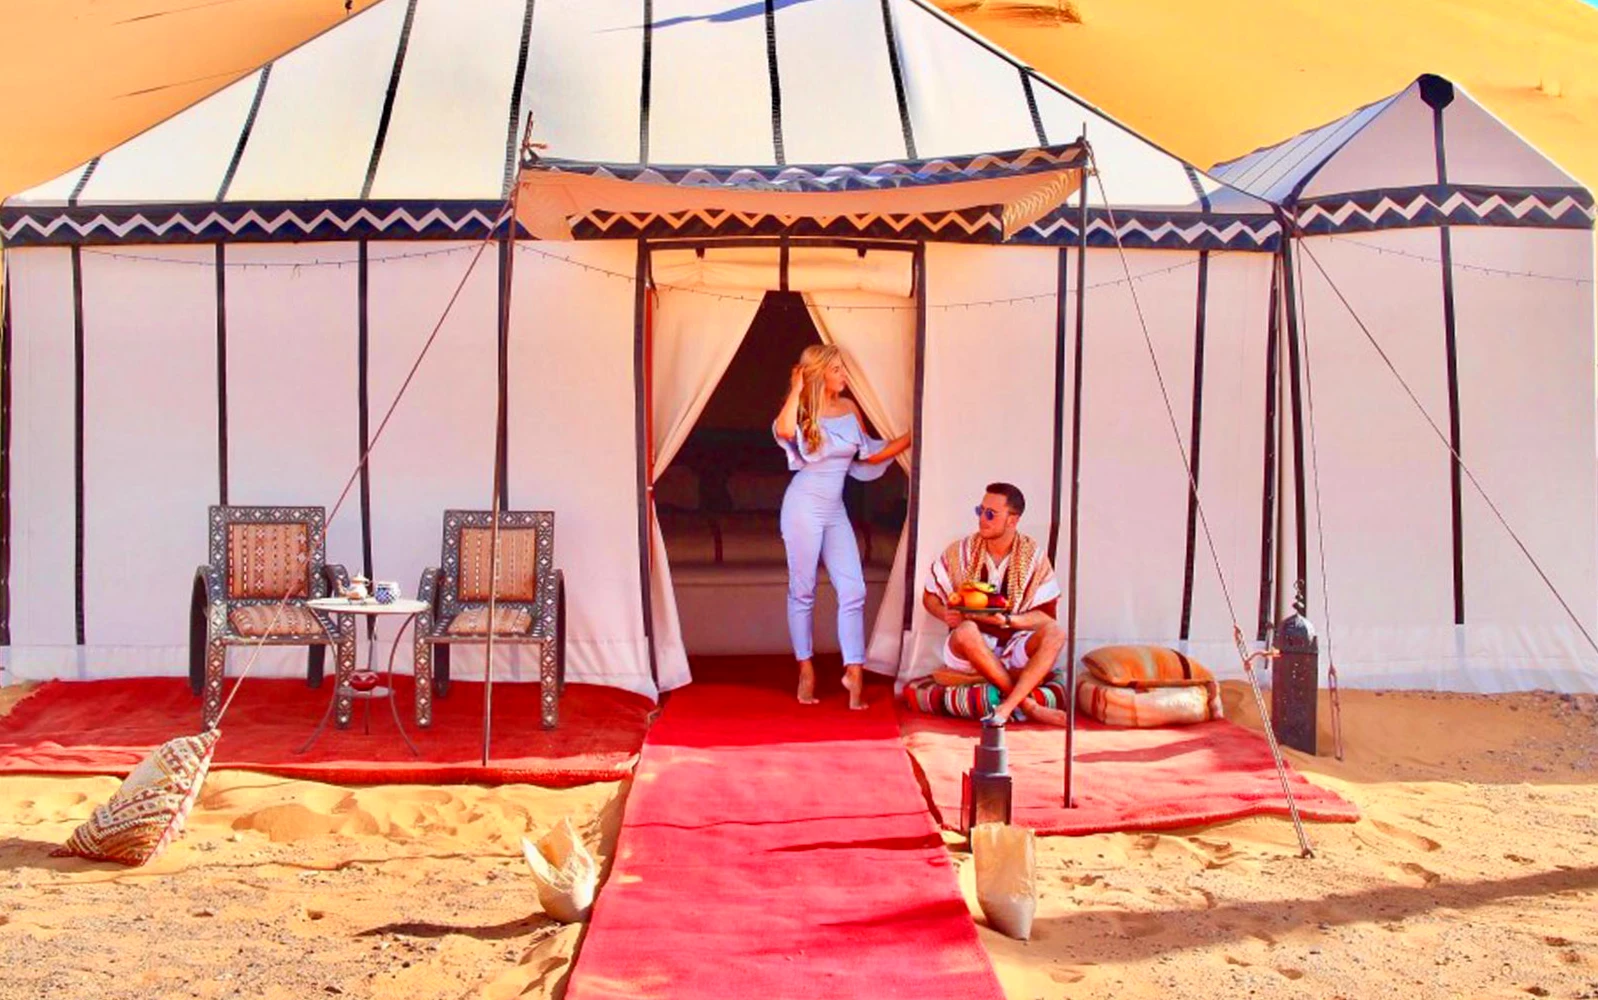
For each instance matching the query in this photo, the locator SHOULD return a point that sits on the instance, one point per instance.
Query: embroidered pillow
(147, 813)
(1144, 667)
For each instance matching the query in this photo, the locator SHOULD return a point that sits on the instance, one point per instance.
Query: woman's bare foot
(855, 684)
(807, 683)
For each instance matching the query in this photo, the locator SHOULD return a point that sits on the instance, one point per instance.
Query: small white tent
(1468, 257)
(219, 310)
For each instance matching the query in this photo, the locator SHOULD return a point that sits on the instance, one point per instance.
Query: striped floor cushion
(973, 701)
(1142, 708)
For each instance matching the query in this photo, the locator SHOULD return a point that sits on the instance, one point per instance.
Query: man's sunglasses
(988, 512)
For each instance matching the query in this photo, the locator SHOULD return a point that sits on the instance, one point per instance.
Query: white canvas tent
(220, 308)
(1468, 256)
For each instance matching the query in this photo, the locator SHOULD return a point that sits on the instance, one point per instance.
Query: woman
(826, 442)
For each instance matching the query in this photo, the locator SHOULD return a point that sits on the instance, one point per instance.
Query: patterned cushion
(147, 812)
(507, 621)
(518, 564)
(255, 620)
(973, 701)
(1145, 708)
(1144, 667)
(268, 560)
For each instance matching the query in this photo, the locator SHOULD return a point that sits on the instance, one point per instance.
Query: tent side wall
(988, 414)
(1524, 353)
(159, 425)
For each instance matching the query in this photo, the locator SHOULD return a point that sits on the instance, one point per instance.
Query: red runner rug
(1126, 779)
(769, 850)
(106, 727)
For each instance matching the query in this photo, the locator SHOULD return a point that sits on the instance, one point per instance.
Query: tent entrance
(719, 501)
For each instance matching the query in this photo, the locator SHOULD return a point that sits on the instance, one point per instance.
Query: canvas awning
(997, 193)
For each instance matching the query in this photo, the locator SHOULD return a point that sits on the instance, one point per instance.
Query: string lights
(1010, 300)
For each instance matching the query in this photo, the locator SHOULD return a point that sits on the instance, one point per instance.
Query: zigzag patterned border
(1451, 204)
(972, 225)
(1156, 231)
(833, 177)
(250, 222)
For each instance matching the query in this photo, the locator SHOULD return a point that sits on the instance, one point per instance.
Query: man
(1015, 648)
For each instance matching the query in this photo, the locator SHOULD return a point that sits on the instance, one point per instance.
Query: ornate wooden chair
(530, 607)
(258, 555)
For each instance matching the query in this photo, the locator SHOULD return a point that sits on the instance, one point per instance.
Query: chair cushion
(507, 621)
(518, 564)
(973, 701)
(1144, 667)
(268, 560)
(147, 812)
(1145, 708)
(256, 620)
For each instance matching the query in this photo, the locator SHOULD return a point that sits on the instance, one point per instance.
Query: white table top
(340, 606)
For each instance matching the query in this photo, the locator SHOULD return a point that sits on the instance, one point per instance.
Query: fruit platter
(975, 597)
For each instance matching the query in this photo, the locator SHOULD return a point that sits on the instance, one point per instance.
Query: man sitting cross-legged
(1015, 649)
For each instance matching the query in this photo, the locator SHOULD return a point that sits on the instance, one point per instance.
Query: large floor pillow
(1144, 667)
(147, 813)
(973, 701)
(1146, 707)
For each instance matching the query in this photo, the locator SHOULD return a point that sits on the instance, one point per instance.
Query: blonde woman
(826, 441)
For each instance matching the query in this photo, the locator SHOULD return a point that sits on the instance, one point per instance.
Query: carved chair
(530, 606)
(257, 556)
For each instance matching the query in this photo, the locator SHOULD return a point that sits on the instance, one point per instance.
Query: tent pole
(506, 276)
(1076, 479)
(643, 430)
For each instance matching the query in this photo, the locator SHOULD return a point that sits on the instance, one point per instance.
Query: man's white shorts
(1013, 655)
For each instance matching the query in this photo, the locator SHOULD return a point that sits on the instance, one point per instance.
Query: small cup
(385, 591)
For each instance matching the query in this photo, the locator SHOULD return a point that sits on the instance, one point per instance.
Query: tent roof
(1425, 155)
(411, 110)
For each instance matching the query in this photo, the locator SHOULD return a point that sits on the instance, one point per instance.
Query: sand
(1474, 872)
(284, 890)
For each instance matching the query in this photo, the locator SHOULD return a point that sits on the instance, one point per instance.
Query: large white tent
(221, 308)
(1468, 257)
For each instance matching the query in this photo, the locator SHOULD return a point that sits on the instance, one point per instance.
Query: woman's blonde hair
(813, 364)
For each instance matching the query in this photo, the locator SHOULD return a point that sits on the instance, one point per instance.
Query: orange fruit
(976, 600)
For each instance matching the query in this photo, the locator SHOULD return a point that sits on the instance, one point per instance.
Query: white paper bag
(1007, 885)
(566, 874)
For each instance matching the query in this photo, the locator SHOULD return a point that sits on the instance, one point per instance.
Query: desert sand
(1473, 872)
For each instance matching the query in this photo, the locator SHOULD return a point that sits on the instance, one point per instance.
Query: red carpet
(105, 727)
(1126, 779)
(776, 850)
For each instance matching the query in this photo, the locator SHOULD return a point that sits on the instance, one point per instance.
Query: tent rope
(1320, 532)
(1442, 436)
(1243, 653)
(277, 614)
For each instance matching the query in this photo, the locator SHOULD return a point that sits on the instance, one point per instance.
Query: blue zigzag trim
(824, 178)
(249, 222)
(1447, 204)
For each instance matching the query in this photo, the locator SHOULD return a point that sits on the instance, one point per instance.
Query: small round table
(344, 695)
